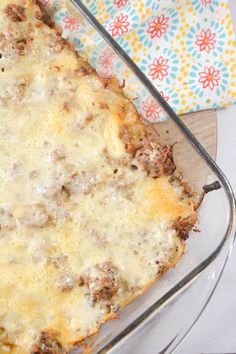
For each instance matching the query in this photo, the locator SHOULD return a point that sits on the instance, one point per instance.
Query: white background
(215, 331)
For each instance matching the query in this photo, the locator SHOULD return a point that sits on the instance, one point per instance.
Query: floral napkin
(185, 47)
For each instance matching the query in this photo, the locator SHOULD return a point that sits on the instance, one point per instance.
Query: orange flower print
(158, 27)
(119, 26)
(206, 40)
(105, 63)
(159, 68)
(205, 2)
(106, 58)
(71, 23)
(120, 3)
(152, 108)
(210, 77)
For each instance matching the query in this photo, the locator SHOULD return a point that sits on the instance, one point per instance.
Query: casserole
(27, 218)
(92, 211)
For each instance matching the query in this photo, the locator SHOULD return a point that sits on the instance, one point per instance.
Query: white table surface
(215, 331)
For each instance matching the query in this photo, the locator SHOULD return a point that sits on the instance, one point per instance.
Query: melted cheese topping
(67, 204)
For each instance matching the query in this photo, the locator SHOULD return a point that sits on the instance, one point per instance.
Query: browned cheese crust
(91, 213)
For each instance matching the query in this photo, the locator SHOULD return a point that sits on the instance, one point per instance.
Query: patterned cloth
(185, 47)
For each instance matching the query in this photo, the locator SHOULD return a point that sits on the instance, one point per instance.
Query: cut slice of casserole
(90, 212)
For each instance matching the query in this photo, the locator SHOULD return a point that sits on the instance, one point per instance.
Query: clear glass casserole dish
(177, 300)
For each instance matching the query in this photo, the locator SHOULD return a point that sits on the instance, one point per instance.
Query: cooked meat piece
(177, 181)
(57, 155)
(183, 226)
(38, 15)
(102, 281)
(53, 189)
(69, 183)
(123, 161)
(5, 345)
(14, 90)
(66, 106)
(20, 89)
(103, 105)
(14, 12)
(35, 215)
(13, 47)
(33, 174)
(7, 220)
(47, 344)
(115, 308)
(58, 260)
(65, 282)
(72, 184)
(125, 137)
(84, 70)
(21, 46)
(80, 182)
(132, 131)
(14, 170)
(98, 238)
(131, 136)
(78, 124)
(56, 43)
(155, 158)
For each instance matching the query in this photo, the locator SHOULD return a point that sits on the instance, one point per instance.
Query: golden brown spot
(14, 12)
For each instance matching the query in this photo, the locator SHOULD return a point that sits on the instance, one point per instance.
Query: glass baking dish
(176, 301)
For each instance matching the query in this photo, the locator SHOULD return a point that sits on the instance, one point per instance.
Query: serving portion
(91, 212)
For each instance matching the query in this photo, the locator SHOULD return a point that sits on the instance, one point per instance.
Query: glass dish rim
(231, 229)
